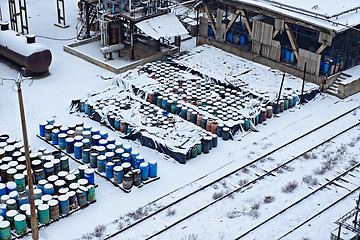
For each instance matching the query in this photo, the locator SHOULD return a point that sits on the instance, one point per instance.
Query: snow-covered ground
(71, 78)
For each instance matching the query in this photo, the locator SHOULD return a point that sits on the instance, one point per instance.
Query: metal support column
(15, 15)
(60, 5)
(23, 17)
(132, 51)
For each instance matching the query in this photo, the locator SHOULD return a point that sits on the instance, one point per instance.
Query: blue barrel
(111, 148)
(206, 144)
(64, 204)
(49, 189)
(3, 210)
(2, 189)
(210, 31)
(69, 145)
(57, 166)
(214, 140)
(203, 122)
(288, 55)
(64, 129)
(101, 150)
(291, 103)
(229, 37)
(119, 152)
(10, 186)
(95, 139)
(261, 118)
(283, 53)
(127, 148)
(86, 142)
(93, 159)
(86, 134)
(152, 168)
(126, 158)
(42, 183)
(89, 175)
(78, 146)
(193, 117)
(326, 67)
(138, 160)
(42, 128)
(104, 134)
(111, 140)
(292, 57)
(101, 160)
(118, 174)
(242, 40)
(54, 137)
(103, 142)
(61, 141)
(86, 155)
(109, 168)
(117, 124)
(183, 112)
(23, 199)
(95, 131)
(144, 168)
(276, 108)
(226, 134)
(82, 169)
(134, 153)
(109, 156)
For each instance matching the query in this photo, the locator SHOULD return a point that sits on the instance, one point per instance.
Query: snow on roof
(163, 26)
(17, 43)
(330, 14)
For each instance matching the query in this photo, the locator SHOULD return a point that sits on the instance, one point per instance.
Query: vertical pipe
(34, 226)
(339, 232)
(303, 84)
(132, 56)
(281, 85)
(197, 27)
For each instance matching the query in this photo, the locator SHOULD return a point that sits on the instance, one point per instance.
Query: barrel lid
(74, 185)
(38, 202)
(101, 157)
(94, 130)
(60, 182)
(36, 162)
(55, 161)
(96, 137)
(4, 198)
(90, 186)
(71, 194)
(69, 139)
(11, 171)
(37, 191)
(70, 177)
(119, 151)
(53, 203)
(63, 198)
(103, 141)
(19, 176)
(20, 218)
(143, 164)
(49, 127)
(109, 154)
(102, 132)
(4, 224)
(4, 167)
(9, 148)
(126, 155)
(135, 171)
(43, 182)
(10, 201)
(152, 162)
(11, 185)
(25, 207)
(83, 182)
(89, 171)
(62, 135)
(85, 140)
(48, 186)
(56, 130)
(46, 198)
(82, 188)
(126, 165)
(53, 178)
(64, 158)
(12, 213)
(139, 157)
(126, 146)
(14, 194)
(86, 132)
(43, 207)
(110, 164)
(83, 167)
(134, 152)
(2, 186)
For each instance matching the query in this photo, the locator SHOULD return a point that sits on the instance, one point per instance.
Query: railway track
(188, 204)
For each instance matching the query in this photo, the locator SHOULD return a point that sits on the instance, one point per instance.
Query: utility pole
(34, 224)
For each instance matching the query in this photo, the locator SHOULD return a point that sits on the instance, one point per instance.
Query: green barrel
(10, 217)
(44, 214)
(20, 224)
(194, 151)
(5, 233)
(247, 125)
(28, 217)
(91, 193)
(286, 104)
(199, 147)
(11, 204)
(20, 182)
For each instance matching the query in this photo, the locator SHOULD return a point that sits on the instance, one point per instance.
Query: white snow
(71, 77)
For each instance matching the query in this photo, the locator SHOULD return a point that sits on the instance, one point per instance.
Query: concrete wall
(349, 89)
(259, 59)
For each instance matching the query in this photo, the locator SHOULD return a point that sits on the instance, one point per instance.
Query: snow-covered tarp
(163, 26)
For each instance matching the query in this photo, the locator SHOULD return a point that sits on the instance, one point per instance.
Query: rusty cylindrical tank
(23, 50)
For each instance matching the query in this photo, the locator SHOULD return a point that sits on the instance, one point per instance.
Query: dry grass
(289, 187)
(218, 195)
(268, 199)
(310, 180)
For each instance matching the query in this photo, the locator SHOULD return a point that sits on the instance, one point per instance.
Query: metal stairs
(333, 89)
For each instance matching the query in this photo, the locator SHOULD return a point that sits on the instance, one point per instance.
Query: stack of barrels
(56, 191)
(118, 162)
